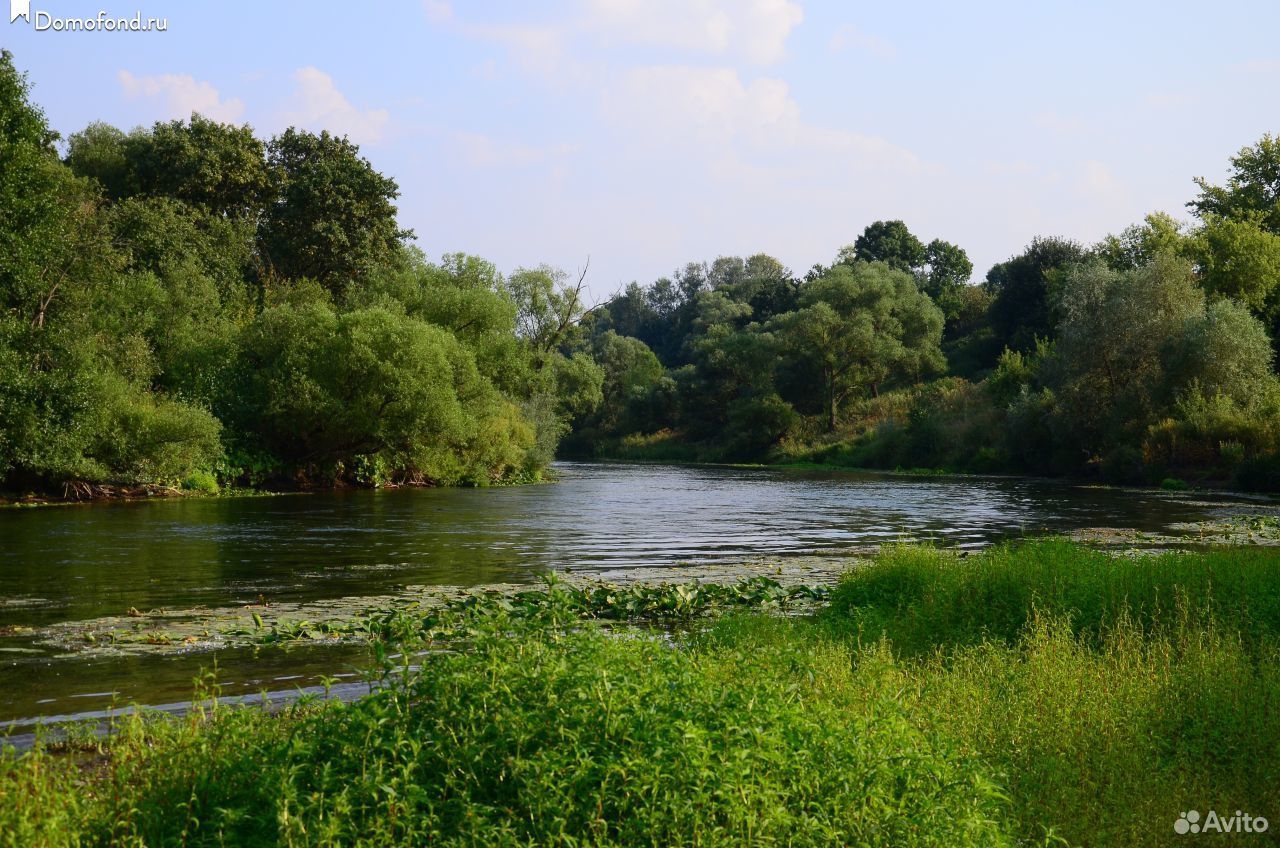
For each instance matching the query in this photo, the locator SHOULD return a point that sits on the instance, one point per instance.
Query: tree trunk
(831, 405)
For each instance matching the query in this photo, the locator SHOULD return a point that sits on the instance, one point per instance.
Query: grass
(1038, 694)
(923, 599)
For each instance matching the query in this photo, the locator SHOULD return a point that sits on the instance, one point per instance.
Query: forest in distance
(188, 306)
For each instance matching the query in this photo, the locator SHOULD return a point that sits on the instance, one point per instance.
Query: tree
(219, 168)
(1021, 306)
(729, 379)
(631, 373)
(76, 399)
(1115, 331)
(334, 216)
(548, 306)
(98, 152)
(1139, 244)
(1238, 258)
(945, 274)
(1253, 188)
(1223, 352)
(889, 242)
(860, 325)
(370, 388)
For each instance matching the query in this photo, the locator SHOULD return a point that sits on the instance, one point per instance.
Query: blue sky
(649, 133)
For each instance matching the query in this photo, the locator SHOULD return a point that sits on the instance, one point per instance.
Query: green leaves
(860, 325)
(333, 218)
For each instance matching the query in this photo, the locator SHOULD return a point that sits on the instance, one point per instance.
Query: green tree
(1252, 189)
(1238, 258)
(631, 373)
(1115, 333)
(1158, 234)
(76, 372)
(860, 325)
(548, 306)
(333, 392)
(1021, 289)
(889, 242)
(334, 216)
(945, 275)
(1222, 352)
(98, 152)
(216, 167)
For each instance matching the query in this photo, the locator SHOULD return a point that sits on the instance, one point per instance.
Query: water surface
(81, 562)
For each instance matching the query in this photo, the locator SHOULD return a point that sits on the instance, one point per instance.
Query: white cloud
(536, 48)
(317, 104)
(482, 151)
(438, 11)
(755, 29)
(714, 107)
(181, 95)
(849, 36)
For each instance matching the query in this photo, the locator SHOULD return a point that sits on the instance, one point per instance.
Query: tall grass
(922, 598)
(1027, 695)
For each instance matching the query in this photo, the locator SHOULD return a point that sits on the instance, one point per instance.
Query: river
(60, 564)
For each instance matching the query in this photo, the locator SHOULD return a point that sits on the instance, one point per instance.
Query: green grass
(1028, 695)
(922, 599)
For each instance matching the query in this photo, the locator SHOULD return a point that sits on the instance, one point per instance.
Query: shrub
(202, 482)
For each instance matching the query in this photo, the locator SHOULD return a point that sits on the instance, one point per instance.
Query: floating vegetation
(1231, 529)
(667, 594)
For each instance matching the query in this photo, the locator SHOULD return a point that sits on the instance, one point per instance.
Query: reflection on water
(74, 563)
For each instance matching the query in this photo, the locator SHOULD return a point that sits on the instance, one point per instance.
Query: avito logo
(1189, 822)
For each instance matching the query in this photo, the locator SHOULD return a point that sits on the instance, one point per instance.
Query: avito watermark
(1190, 822)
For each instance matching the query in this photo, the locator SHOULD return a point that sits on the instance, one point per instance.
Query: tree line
(1147, 357)
(187, 305)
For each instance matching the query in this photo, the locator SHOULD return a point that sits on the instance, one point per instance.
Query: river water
(73, 563)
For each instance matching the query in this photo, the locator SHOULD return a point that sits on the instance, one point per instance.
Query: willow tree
(860, 325)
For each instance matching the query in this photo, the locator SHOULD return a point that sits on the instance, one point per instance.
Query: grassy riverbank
(1015, 697)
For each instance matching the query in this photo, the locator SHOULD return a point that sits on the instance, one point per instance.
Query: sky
(644, 134)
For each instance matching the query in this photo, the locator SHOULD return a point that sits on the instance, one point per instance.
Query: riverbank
(87, 494)
(1036, 694)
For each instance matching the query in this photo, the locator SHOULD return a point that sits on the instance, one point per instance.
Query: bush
(202, 482)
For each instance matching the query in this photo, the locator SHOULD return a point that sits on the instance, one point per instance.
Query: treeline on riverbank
(1037, 694)
(1147, 357)
(188, 305)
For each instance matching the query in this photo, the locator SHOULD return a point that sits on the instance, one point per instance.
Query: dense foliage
(1145, 358)
(188, 305)
(1042, 694)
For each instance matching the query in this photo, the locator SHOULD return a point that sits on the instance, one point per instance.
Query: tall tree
(1021, 291)
(216, 167)
(946, 272)
(334, 217)
(1253, 186)
(860, 325)
(1239, 258)
(889, 242)
(1116, 329)
(1138, 244)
